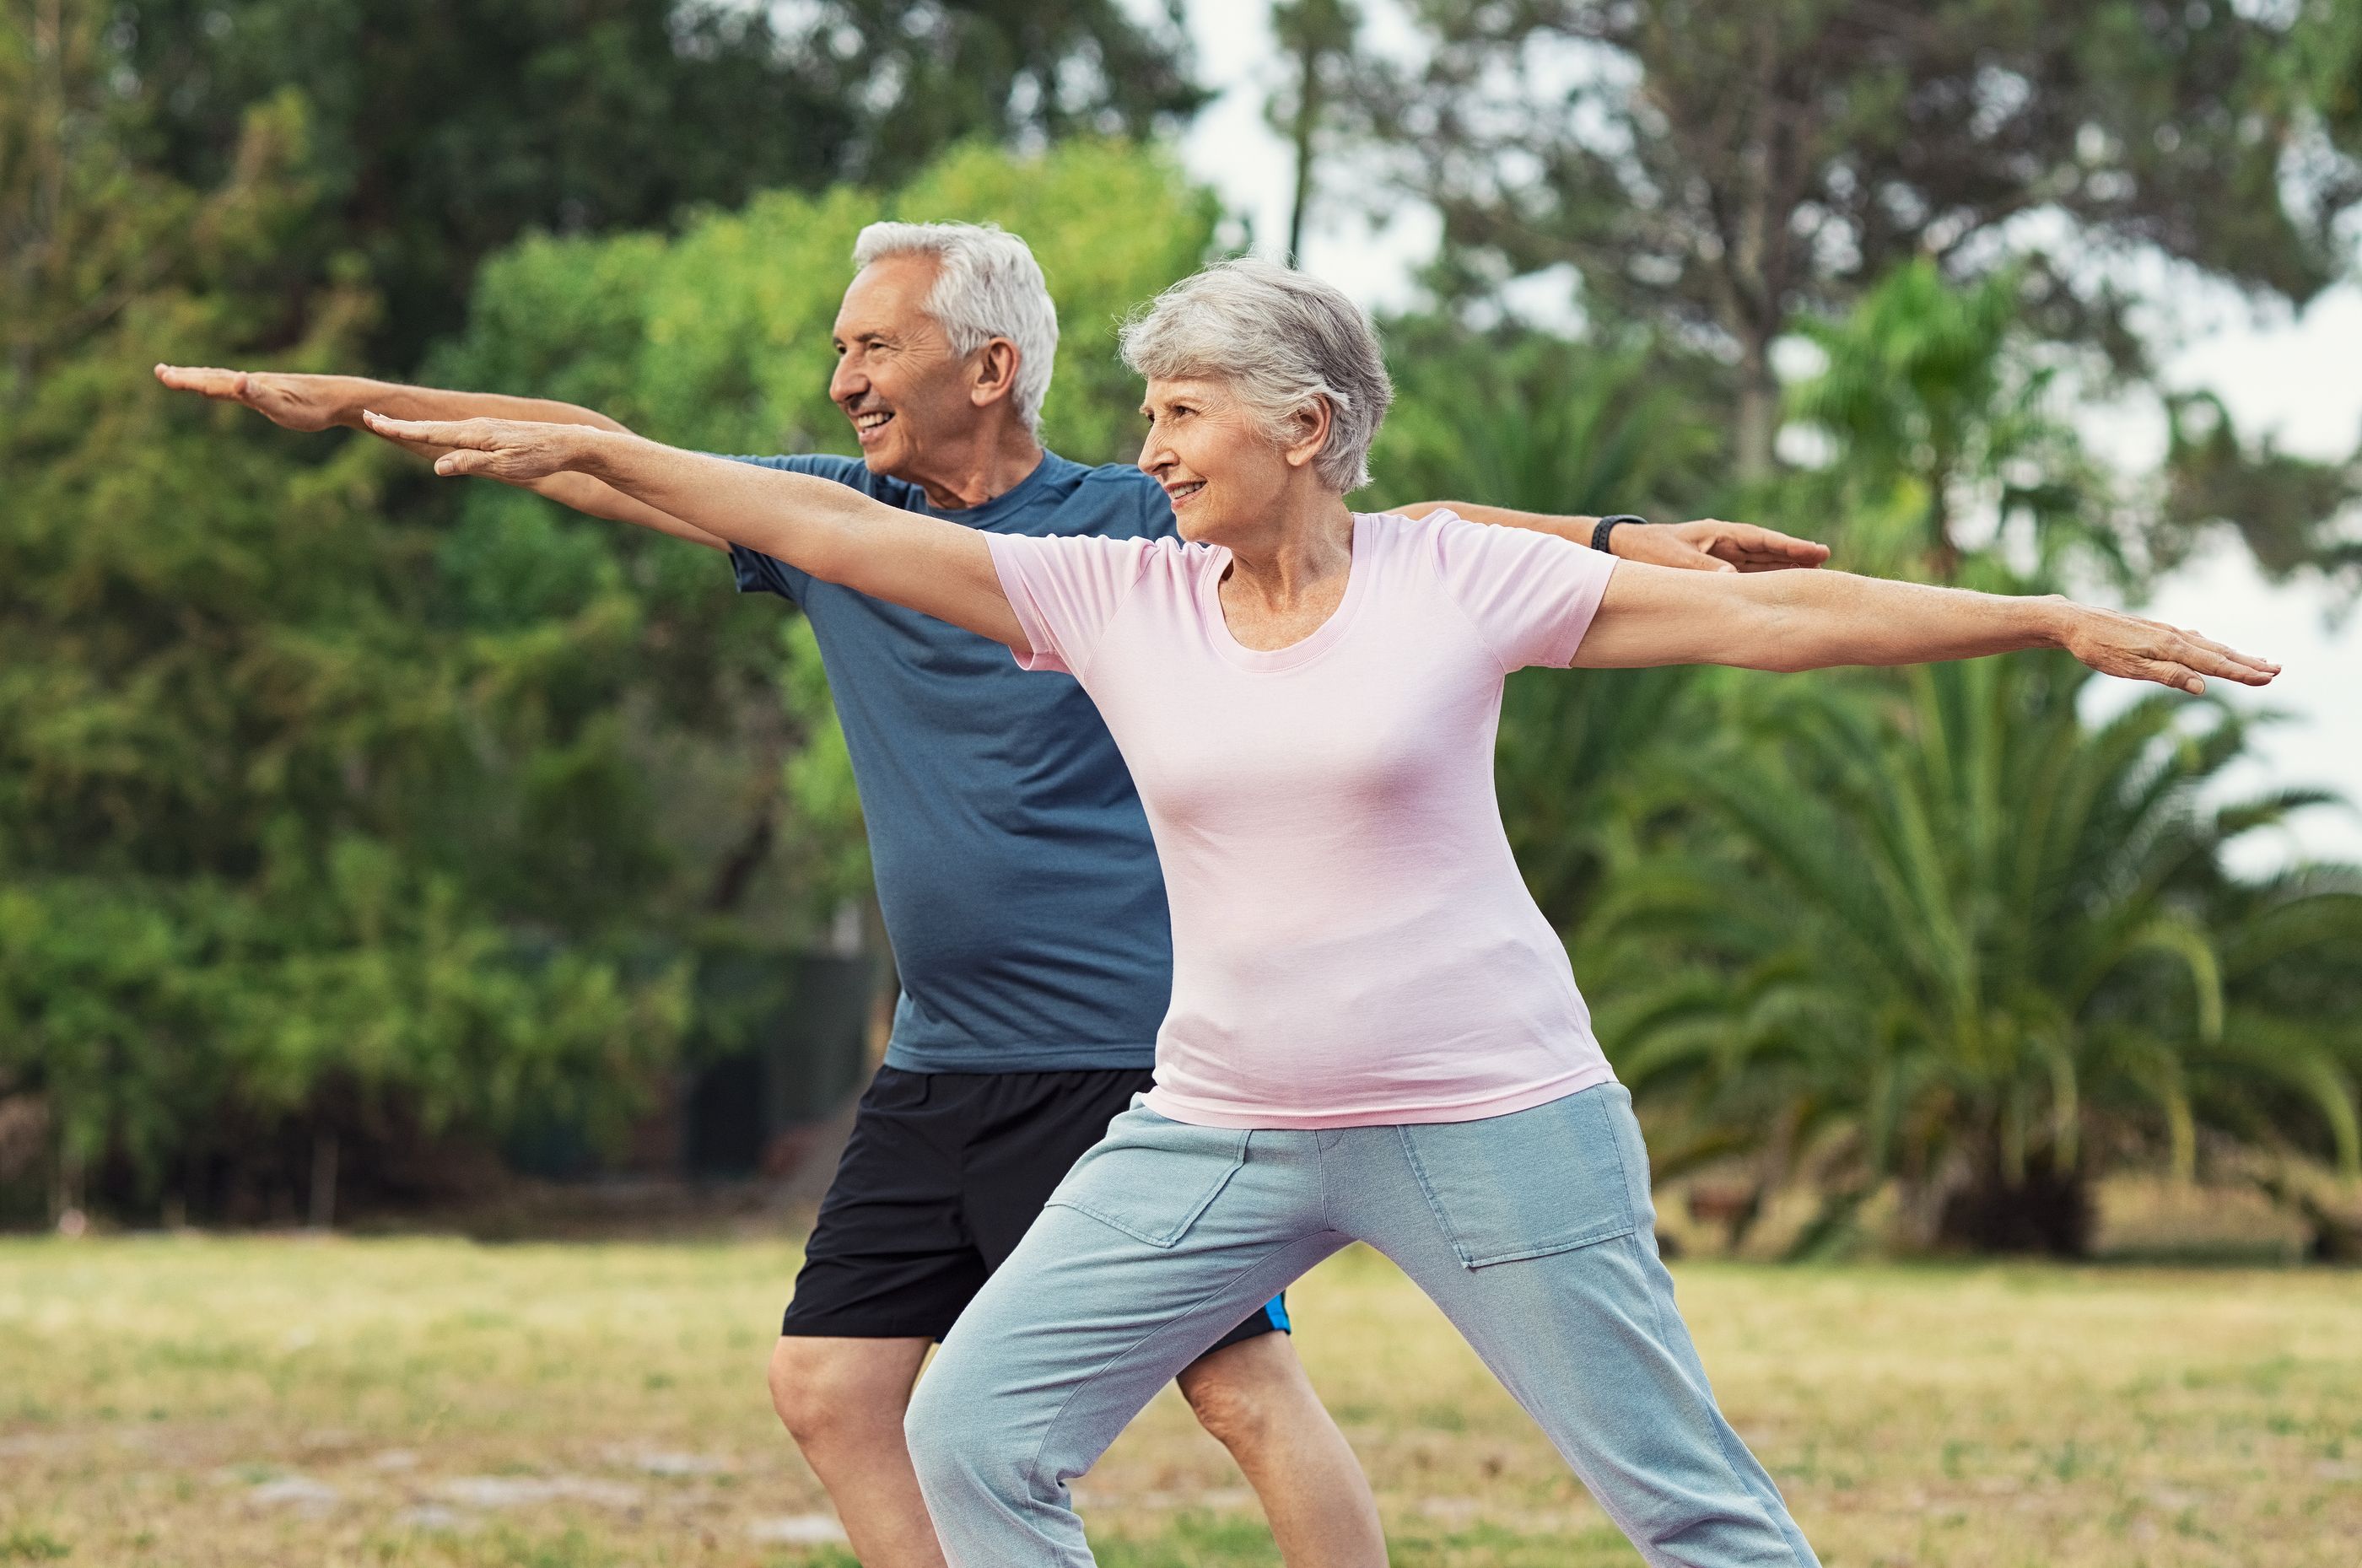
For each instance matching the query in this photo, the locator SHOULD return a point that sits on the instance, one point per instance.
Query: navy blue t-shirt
(1014, 868)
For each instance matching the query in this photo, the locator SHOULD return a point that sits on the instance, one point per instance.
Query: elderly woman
(1374, 1033)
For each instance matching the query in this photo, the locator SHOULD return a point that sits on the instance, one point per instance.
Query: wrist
(349, 395)
(596, 452)
(2054, 618)
(1604, 531)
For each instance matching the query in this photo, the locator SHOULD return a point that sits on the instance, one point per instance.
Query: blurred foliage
(331, 798)
(327, 796)
(1938, 403)
(1730, 172)
(1945, 931)
(239, 763)
(444, 129)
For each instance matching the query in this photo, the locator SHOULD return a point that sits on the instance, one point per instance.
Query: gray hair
(988, 285)
(1279, 339)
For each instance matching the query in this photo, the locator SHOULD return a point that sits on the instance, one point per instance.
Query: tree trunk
(1308, 121)
(324, 1179)
(1759, 409)
(2043, 1211)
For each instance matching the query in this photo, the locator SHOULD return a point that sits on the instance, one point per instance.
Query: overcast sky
(2300, 377)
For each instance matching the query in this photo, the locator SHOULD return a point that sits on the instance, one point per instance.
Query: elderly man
(1014, 871)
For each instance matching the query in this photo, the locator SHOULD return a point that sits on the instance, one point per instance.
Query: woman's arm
(314, 402)
(830, 530)
(1810, 619)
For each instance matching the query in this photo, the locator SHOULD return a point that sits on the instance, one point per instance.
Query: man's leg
(1254, 1396)
(888, 1265)
(843, 1401)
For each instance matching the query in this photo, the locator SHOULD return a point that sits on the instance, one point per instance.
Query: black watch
(1607, 526)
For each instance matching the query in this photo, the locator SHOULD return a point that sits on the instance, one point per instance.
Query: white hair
(988, 285)
(1279, 339)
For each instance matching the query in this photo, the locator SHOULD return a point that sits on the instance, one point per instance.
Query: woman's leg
(1162, 1238)
(1535, 1233)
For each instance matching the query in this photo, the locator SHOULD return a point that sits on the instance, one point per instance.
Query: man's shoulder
(848, 472)
(1122, 503)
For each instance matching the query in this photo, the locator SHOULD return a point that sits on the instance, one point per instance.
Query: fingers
(2214, 659)
(1750, 547)
(207, 379)
(1770, 547)
(2232, 656)
(477, 434)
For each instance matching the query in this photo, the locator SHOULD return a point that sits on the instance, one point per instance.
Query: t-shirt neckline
(985, 513)
(1305, 648)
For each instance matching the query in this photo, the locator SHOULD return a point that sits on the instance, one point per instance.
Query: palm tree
(1955, 938)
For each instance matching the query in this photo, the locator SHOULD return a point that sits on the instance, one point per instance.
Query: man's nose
(846, 381)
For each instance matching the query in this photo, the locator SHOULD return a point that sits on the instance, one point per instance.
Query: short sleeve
(759, 573)
(1530, 595)
(1065, 590)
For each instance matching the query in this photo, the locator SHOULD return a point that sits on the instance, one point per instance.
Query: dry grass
(429, 1402)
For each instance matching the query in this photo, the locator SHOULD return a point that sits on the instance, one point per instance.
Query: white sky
(2299, 377)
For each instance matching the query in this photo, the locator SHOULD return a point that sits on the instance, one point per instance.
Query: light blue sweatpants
(1533, 1231)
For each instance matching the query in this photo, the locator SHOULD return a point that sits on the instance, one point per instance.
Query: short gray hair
(1279, 339)
(988, 285)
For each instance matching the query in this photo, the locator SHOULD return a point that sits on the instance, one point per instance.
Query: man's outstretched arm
(311, 403)
(1706, 545)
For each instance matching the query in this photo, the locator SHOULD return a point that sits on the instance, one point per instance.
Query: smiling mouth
(1181, 492)
(871, 421)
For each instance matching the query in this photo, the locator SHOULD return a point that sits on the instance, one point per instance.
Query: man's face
(896, 378)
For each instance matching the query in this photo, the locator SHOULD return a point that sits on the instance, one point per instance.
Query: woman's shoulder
(1428, 539)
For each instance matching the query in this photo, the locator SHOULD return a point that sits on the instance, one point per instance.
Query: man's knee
(821, 1390)
(1245, 1395)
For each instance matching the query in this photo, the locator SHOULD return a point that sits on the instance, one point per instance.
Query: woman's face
(1214, 458)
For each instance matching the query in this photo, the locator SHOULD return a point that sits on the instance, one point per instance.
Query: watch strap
(1607, 526)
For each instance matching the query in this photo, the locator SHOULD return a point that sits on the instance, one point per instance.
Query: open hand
(297, 401)
(2116, 644)
(515, 450)
(1712, 544)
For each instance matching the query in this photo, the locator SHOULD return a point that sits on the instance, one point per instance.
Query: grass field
(280, 1401)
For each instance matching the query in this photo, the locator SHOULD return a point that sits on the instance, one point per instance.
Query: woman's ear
(1312, 424)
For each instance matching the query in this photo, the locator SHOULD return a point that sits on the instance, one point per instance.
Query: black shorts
(941, 1175)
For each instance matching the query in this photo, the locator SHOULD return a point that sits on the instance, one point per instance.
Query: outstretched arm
(1707, 544)
(311, 403)
(1791, 621)
(829, 530)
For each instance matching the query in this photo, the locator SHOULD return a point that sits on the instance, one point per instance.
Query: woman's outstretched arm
(1812, 620)
(817, 525)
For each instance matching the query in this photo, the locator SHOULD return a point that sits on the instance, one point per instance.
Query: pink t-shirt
(1351, 942)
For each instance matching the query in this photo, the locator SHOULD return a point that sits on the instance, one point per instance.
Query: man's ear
(995, 373)
(1311, 426)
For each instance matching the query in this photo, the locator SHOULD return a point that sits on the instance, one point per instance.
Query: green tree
(1938, 403)
(1962, 941)
(232, 740)
(446, 130)
(1726, 168)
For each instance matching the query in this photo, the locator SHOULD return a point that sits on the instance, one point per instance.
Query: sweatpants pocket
(1545, 1180)
(1151, 1176)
